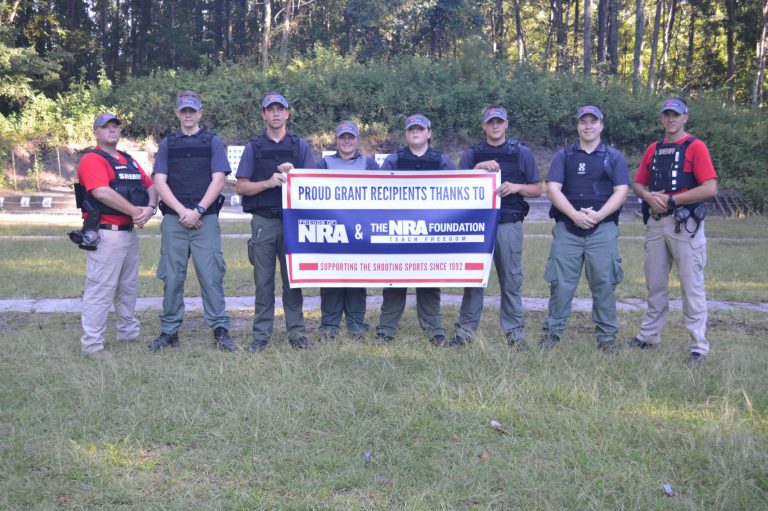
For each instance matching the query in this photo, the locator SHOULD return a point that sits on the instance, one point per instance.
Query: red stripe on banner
(473, 266)
(307, 266)
(288, 184)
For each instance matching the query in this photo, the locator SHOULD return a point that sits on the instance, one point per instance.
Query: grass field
(193, 428)
(54, 268)
(197, 429)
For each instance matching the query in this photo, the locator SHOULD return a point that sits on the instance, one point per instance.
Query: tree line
(683, 45)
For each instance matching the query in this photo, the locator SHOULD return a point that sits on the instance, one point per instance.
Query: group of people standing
(587, 184)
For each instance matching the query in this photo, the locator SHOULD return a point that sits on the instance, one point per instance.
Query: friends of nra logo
(322, 231)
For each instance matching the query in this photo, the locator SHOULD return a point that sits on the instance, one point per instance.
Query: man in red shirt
(123, 194)
(674, 178)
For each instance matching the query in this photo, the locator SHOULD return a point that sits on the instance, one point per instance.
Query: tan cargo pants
(663, 247)
(111, 280)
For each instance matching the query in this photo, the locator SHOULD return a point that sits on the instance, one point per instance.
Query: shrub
(325, 87)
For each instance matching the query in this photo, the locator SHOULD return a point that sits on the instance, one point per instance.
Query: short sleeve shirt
(617, 170)
(527, 162)
(697, 160)
(248, 164)
(94, 171)
(219, 161)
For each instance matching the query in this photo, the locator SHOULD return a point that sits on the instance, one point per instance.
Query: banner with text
(384, 228)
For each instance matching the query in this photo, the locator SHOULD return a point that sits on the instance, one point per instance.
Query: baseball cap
(417, 120)
(188, 102)
(494, 112)
(274, 97)
(591, 110)
(674, 104)
(347, 127)
(104, 118)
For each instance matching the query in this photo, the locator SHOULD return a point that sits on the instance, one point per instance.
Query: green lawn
(54, 268)
(194, 428)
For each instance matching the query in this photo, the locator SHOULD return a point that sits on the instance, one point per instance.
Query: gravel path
(374, 302)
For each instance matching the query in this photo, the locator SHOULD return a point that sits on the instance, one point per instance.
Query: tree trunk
(144, 22)
(265, 33)
(218, 28)
(548, 43)
(133, 22)
(116, 30)
(668, 27)
(241, 36)
(11, 13)
(757, 88)
(197, 35)
(573, 57)
(689, 55)
(103, 23)
(637, 62)
(519, 37)
(561, 35)
(228, 50)
(730, 7)
(602, 25)
(613, 36)
(287, 19)
(654, 47)
(587, 40)
(498, 41)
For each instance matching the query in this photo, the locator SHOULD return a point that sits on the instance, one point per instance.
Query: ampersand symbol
(358, 232)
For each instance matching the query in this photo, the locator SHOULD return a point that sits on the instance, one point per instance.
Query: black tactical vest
(189, 167)
(127, 184)
(586, 184)
(267, 156)
(667, 168)
(430, 160)
(508, 157)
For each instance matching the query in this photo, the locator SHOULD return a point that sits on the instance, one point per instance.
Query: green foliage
(326, 87)
(6, 181)
(67, 119)
(23, 72)
(738, 143)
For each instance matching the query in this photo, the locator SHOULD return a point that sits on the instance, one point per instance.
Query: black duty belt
(659, 216)
(511, 218)
(268, 213)
(114, 227)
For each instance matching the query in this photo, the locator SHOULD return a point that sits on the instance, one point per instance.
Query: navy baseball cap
(674, 104)
(494, 112)
(188, 102)
(274, 97)
(589, 110)
(417, 120)
(104, 118)
(347, 127)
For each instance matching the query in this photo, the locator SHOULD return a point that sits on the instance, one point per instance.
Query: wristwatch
(671, 202)
(200, 209)
(154, 209)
